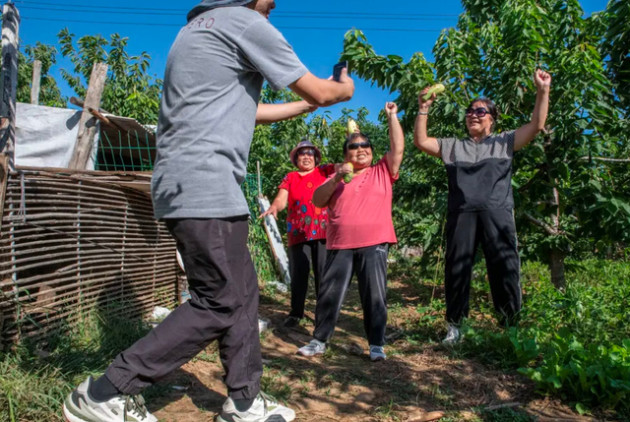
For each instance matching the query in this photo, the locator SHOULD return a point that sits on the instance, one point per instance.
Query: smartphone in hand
(337, 69)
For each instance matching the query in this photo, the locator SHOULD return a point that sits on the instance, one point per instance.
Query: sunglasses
(479, 112)
(356, 145)
(306, 151)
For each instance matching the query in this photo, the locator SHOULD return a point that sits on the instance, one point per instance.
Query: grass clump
(35, 378)
(574, 344)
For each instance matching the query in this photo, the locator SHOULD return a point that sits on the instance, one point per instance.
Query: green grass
(37, 377)
(574, 345)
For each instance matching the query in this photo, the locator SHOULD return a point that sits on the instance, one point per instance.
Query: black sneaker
(291, 321)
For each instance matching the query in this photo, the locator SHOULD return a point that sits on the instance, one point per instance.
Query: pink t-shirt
(360, 212)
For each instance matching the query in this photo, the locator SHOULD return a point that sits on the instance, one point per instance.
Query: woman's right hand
(342, 170)
(425, 104)
(272, 210)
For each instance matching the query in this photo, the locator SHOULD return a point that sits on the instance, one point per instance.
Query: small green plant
(273, 382)
(506, 415)
(386, 412)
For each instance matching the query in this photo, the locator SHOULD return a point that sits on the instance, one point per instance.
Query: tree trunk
(557, 268)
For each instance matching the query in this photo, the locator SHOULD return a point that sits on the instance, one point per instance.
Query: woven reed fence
(74, 241)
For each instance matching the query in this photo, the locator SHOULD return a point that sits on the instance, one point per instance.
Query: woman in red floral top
(306, 223)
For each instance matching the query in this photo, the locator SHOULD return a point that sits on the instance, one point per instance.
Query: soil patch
(421, 380)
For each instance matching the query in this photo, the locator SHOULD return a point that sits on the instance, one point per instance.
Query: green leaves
(493, 51)
(615, 45)
(129, 91)
(49, 94)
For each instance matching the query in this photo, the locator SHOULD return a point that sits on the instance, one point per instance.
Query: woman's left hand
(542, 79)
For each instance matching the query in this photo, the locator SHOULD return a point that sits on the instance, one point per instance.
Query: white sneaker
(264, 408)
(377, 353)
(315, 347)
(453, 336)
(80, 407)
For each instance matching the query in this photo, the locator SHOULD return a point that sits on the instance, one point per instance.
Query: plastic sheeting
(275, 239)
(45, 136)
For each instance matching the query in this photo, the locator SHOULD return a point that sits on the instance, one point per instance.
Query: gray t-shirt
(214, 75)
(479, 173)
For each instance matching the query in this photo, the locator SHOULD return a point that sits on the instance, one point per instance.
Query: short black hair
(354, 136)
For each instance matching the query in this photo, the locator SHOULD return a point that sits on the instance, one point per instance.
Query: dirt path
(419, 381)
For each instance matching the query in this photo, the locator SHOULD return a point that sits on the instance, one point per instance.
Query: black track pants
(496, 231)
(301, 257)
(370, 265)
(223, 306)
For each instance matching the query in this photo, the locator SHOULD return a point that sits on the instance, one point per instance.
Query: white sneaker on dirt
(80, 407)
(453, 336)
(264, 408)
(315, 347)
(377, 353)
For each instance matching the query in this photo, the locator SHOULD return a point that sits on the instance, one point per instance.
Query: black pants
(223, 307)
(370, 266)
(301, 257)
(496, 231)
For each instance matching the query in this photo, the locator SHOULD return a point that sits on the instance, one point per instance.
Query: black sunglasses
(356, 145)
(306, 151)
(479, 112)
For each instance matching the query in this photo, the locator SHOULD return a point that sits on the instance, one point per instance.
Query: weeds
(574, 345)
(36, 377)
(272, 382)
(506, 415)
(386, 412)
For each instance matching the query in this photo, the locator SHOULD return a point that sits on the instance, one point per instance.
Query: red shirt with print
(304, 220)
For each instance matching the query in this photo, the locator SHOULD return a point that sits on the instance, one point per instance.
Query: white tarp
(45, 136)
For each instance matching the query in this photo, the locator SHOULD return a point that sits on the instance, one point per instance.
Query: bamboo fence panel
(75, 241)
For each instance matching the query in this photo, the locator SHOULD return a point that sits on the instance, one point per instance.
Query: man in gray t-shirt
(214, 75)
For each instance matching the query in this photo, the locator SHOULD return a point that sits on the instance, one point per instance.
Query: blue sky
(315, 29)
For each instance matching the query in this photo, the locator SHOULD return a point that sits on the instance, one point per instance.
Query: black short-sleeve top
(479, 173)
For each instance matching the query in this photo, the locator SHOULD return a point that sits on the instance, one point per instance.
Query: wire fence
(125, 151)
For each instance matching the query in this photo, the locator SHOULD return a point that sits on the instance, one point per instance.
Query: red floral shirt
(304, 220)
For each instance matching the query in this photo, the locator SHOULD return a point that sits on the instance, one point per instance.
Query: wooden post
(8, 81)
(87, 124)
(37, 77)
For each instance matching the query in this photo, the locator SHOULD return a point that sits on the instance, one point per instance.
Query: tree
(615, 47)
(563, 195)
(129, 90)
(420, 193)
(49, 94)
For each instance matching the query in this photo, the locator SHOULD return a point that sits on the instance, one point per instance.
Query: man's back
(214, 74)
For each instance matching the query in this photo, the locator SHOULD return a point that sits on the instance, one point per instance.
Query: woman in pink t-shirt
(360, 230)
(306, 223)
